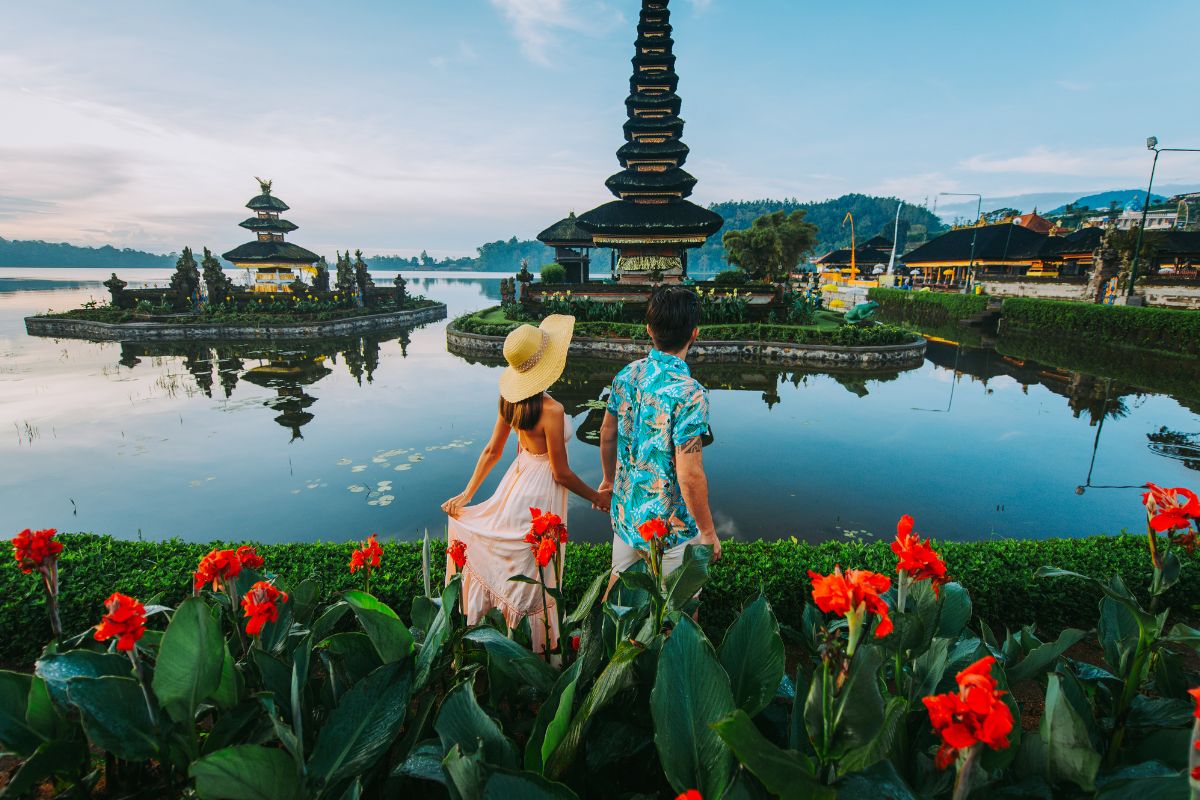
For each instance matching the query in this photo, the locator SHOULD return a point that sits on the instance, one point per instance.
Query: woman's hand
(456, 504)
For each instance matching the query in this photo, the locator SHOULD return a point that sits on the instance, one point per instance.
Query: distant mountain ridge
(1101, 200)
(1053, 202)
(35, 253)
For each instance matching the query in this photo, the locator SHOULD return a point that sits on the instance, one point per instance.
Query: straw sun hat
(536, 357)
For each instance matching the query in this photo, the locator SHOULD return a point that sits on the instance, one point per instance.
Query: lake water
(334, 440)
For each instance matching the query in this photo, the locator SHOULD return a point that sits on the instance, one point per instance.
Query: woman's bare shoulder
(552, 406)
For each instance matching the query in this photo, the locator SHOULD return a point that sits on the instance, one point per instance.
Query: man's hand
(603, 500)
(710, 539)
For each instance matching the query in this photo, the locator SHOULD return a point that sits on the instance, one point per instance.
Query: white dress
(494, 533)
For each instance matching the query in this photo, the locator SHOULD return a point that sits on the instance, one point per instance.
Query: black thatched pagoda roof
(269, 252)
(623, 217)
(266, 202)
(669, 152)
(1084, 240)
(1175, 243)
(1002, 242)
(566, 232)
(268, 224)
(875, 250)
(652, 186)
(630, 181)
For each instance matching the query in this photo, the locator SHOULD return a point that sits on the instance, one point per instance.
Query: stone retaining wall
(1169, 295)
(1038, 289)
(163, 331)
(882, 357)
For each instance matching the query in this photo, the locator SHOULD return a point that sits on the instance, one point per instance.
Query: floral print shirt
(658, 406)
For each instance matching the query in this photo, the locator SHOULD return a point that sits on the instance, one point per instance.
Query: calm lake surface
(337, 439)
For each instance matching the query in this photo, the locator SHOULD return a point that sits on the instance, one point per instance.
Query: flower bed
(235, 680)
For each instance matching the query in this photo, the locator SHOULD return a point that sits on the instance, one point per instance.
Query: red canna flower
(125, 621)
(261, 605)
(691, 794)
(545, 550)
(1195, 693)
(653, 529)
(458, 553)
(249, 557)
(546, 533)
(917, 560)
(35, 549)
(575, 643)
(543, 522)
(851, 595)
(974, 714)
(367, 555)
(216, 567)
(1170, 509)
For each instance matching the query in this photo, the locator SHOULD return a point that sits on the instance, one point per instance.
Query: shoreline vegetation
(999, 575)
(494, 322)
(273, 314)
(1129, 329)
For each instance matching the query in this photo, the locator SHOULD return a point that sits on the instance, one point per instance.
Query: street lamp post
(1151, 144)
(975, 233)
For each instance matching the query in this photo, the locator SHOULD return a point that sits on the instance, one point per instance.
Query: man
(650, 441)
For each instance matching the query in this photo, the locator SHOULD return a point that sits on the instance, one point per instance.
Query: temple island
(288, 296)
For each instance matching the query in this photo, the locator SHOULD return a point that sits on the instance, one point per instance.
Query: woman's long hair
(523, 414)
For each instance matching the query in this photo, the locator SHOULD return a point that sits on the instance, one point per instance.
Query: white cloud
(537, 23)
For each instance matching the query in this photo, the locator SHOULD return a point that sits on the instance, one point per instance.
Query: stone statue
(861, 313)
(401, 294)
(116, 288)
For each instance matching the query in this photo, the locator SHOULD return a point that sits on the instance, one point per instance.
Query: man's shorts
(624, 556)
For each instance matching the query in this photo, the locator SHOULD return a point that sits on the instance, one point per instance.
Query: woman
(540, 477)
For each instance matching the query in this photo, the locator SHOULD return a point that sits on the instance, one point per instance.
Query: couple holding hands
(651, 444)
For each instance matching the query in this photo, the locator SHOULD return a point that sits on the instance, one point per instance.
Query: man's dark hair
(673, 313)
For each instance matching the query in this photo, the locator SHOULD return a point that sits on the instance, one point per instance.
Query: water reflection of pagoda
(652, 224)
(286, 369)
(274, 261)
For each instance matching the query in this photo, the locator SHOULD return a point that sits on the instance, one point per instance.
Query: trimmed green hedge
(1128, 326)
(846, 336)
(998, 574)
(928, 308)
(1161, 373)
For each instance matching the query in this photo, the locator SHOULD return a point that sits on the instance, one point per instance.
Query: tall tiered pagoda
(652, 225)
(275, 262)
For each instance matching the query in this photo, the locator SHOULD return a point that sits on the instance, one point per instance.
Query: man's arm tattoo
(692, 445)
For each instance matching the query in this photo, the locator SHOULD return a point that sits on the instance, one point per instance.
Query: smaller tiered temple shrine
(652, 224)
(275, 263)
(572, 247)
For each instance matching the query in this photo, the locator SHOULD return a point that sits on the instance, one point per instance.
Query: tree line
(35, 253)
(873, 216)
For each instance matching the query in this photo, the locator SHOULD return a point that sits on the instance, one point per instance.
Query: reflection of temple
(286, 368)
(585, 382)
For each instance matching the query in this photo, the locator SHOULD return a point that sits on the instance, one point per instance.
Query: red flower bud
(261, 605)
(458, 553)
(368, 554)
(125, 621)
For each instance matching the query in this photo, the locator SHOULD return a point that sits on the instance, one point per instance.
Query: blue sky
(397, 126)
